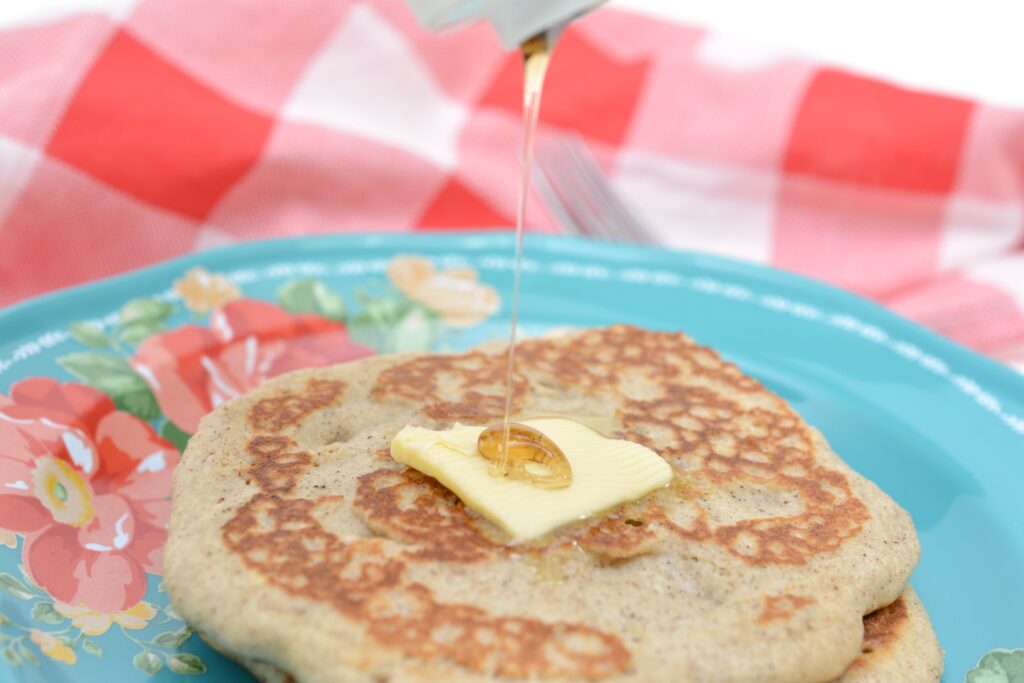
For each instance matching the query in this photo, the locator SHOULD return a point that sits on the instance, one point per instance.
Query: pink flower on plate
(89, 487)
(193, 369)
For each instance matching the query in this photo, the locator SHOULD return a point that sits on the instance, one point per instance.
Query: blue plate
(941, 429)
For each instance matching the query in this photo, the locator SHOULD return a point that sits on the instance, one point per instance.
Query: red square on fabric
(457, 206)
(147, 128)
(587, 91)
(870, 133)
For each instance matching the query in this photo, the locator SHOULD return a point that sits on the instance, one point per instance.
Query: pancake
(899, 646)
(318, 555)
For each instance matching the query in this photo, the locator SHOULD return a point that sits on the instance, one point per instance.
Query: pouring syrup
(536, 56)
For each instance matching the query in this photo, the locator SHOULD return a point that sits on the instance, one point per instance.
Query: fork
(576, 190)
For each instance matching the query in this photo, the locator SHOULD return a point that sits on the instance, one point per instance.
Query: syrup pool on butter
(605, 473)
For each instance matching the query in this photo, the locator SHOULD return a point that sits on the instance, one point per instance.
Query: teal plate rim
(999, 382)
(995, 391)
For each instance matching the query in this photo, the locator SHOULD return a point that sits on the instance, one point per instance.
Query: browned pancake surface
(757, 551)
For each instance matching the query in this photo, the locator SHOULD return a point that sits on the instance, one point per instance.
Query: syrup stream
(536, 55)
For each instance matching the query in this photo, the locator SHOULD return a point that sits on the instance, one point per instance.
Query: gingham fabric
(140, 130)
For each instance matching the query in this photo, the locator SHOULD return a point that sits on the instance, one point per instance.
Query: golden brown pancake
(899, 646)
(296, 541)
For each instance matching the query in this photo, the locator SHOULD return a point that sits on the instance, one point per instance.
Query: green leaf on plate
(394, 325)
(311, 296)
(415, 331)
(185, 664)
(366, 332)
(4, 620)
(999, 666)
(178, 437)
(375, 322)
(45, 612)
(107, 373)
(147, 662)
(141, 318)
(115, 378)
(385, 310)
(171, 614)
(140, 403)
(152, 311)
(12, 586)
(135, 332)
(92, 648)
(90, 335)
(27, 654)
(11, 655)
(173, 639)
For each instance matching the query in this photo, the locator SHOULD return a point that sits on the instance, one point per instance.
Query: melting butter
(606, 473)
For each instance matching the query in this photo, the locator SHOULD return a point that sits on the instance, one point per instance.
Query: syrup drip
(536, 55)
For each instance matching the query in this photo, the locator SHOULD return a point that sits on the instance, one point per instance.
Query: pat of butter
(605, 473)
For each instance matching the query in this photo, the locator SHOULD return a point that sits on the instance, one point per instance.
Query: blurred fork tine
(565, 192)
(575, 188)
(551, 199)
(608, 213)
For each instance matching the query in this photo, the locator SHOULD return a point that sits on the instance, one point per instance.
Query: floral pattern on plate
(86, 465)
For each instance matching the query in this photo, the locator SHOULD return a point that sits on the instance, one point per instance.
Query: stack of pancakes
(300, 548)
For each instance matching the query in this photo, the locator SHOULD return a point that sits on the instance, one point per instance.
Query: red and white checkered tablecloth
(150, 128)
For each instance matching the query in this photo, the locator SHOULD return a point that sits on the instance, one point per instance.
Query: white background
(972, 48)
